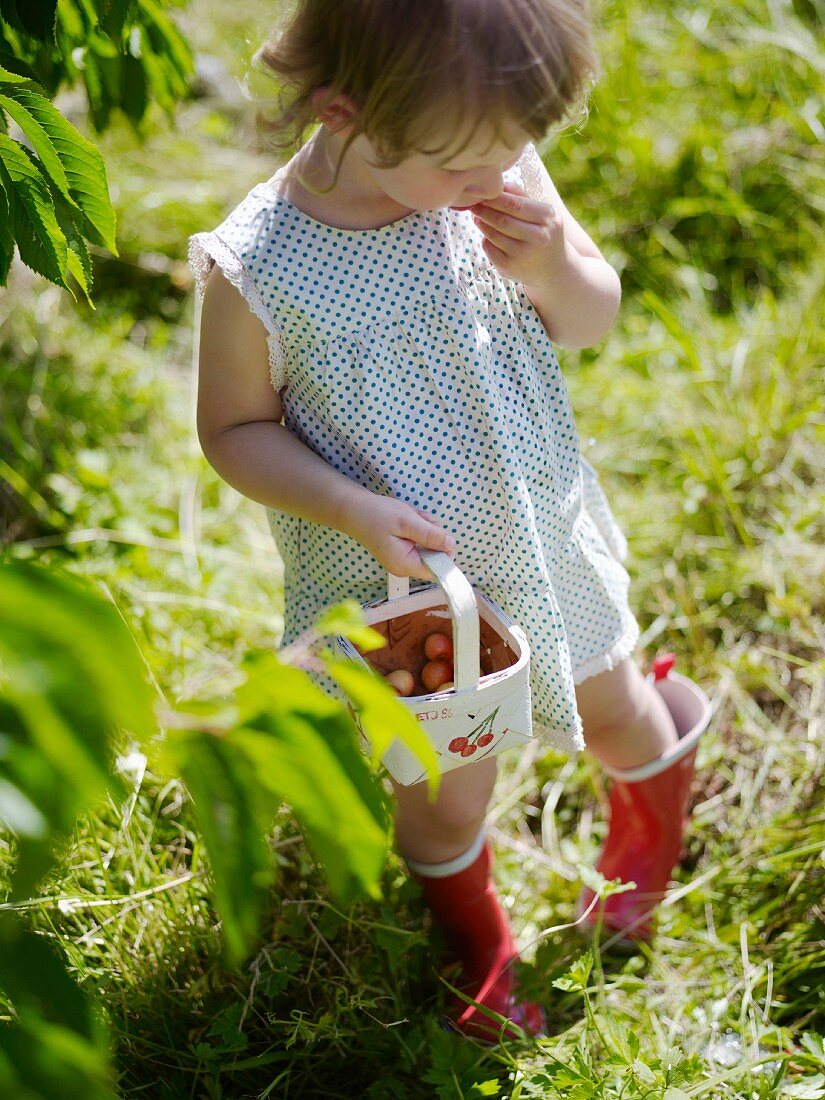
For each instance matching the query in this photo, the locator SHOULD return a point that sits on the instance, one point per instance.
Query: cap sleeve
(529, 172)
(223, 247)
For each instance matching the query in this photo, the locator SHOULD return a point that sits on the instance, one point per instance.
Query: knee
(609, 716)
(457, 813)
(462, 800)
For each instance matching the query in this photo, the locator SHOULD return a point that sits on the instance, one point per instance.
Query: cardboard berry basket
(489, 708)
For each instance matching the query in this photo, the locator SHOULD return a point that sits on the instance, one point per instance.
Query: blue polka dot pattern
(409, 364)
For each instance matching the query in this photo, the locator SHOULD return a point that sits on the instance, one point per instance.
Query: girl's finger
(519, 206)
(417, 569)
(505, 224)
(448, 542)
(433, 537)
(500, 240)
(425, 515)
(496, 256)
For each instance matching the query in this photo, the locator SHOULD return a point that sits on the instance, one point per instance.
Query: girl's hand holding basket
(390, 530)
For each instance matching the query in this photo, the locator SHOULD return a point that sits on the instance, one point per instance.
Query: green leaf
(382, 717)
(19, 109)
(279, 689)
(237, 784)
(814, 1044)
(37, 17)
(282, 740)
(602, 887)
(643, 1072)
(100, 103)
(167, 40)
(32, 974)
(110, 67)
(808, 1088)
(234, 812)
(41, 1061)
(156, 73)
(83, 168)
(40, 241)
(14, 69)
(298, 763)
(575, 980)
(79, 260)
(102, 44)
(347, 618)
(7, 77)
(19, 813)
(487, 1088)
(71, 673)
(672, 1093)
(267, 680)
(134, 96)
(56, 1045)
(46, 612)
(113, 18)
(70, 20)
(6, 238)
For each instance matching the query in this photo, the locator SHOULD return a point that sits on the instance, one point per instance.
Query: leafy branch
(54, 196)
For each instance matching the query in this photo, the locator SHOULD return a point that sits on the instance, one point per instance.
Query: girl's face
(426, 181)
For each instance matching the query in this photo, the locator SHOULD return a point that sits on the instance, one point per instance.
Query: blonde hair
(410, 64)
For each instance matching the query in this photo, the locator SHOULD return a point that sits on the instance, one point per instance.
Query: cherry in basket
(438, 647)
(401, 681)
(436, 673)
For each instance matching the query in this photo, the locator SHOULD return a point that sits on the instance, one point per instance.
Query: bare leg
(435, 832)
(625, 720)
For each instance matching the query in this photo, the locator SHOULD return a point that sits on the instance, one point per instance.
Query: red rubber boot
(648, 809)
(465, 904)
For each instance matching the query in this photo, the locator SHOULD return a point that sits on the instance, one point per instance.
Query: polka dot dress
(408, 363)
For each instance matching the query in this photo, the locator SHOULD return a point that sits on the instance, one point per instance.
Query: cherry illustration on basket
(479, 738)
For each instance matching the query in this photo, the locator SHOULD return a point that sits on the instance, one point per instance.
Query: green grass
(703, 411)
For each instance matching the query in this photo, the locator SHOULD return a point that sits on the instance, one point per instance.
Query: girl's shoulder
(236, 246)
(252, 232)
(248, 219)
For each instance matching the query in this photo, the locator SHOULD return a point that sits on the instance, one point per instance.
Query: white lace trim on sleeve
(207, 249)
(532, 173)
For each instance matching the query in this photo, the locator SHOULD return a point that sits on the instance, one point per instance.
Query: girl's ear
(337, 114)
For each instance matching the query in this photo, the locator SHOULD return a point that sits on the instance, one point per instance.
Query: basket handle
(463, 608)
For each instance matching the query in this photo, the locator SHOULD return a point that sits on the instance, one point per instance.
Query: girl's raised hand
(523, 237)
(391, 530)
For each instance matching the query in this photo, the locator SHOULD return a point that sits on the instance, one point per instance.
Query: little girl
(377, 367)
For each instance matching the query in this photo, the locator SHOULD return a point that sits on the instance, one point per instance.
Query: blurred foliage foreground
(71, 677)
(138, 592)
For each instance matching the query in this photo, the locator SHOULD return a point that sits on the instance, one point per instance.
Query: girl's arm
(241, 436)
(537, 241)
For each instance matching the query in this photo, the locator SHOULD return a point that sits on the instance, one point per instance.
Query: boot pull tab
(662, 665)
